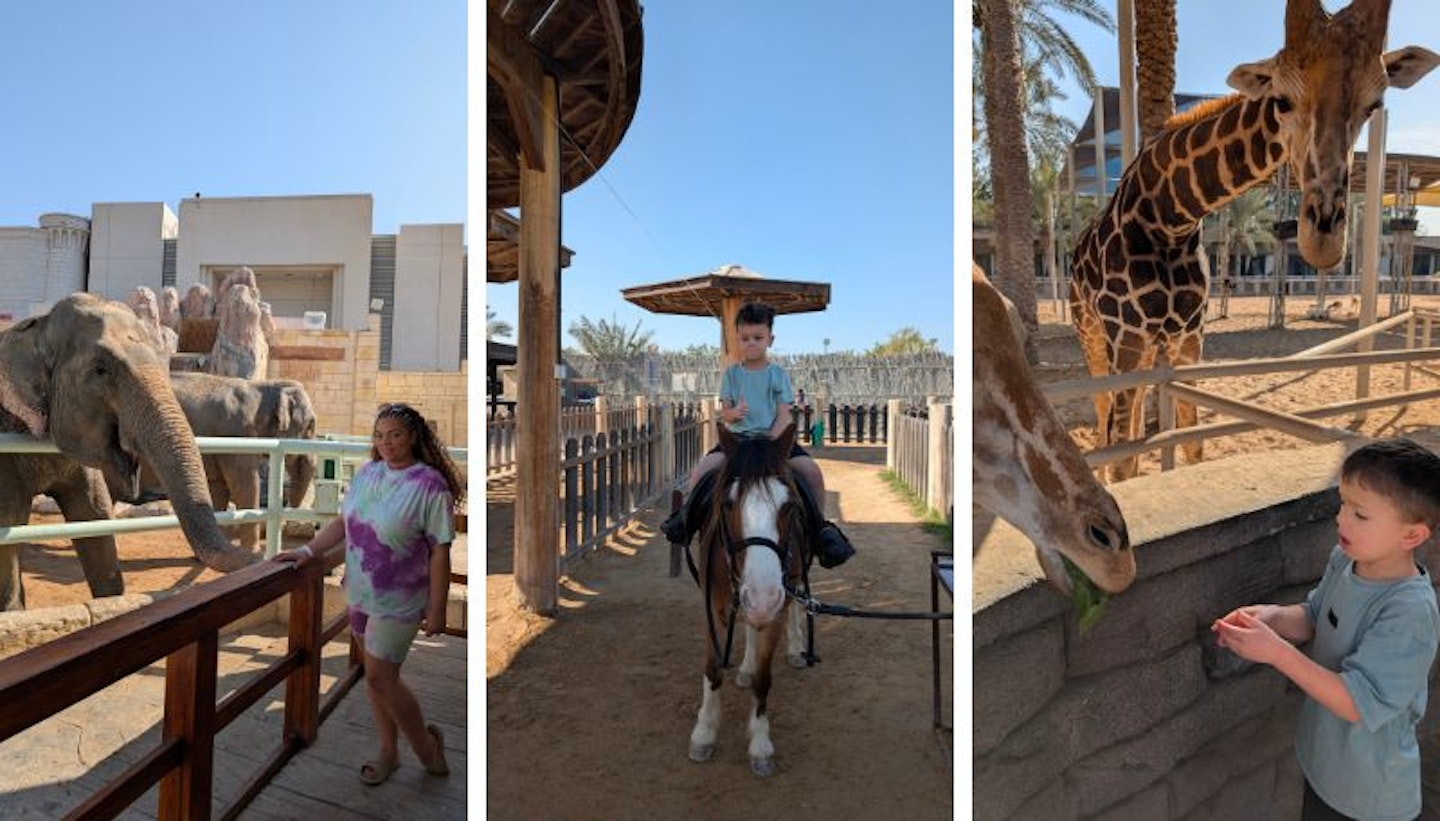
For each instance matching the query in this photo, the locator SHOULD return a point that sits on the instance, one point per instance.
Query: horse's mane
(749, 460)
(1200, 111)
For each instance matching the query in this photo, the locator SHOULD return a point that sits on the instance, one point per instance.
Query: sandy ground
(1243, 335)
(590, 712)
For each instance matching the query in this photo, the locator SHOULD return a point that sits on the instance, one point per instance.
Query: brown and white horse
(754, 542)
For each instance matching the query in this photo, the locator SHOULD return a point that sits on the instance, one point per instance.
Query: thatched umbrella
(721, 292)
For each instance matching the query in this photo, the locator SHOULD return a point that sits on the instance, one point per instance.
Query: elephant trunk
(300, 470)
(153, 424)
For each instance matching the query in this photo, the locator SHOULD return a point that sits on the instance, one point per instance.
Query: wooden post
(935, 461)
(537, 565)
(302, 687)
(729, 345)
(1370, 249)
(892, 443)
(602, 415)
(190, 716)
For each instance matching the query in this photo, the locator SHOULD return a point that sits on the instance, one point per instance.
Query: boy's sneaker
(674, 526)
(832, 548)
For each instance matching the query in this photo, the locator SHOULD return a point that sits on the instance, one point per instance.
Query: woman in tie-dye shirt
(397, 522)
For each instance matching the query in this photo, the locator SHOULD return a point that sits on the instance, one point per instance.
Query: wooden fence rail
(921, 452)
(184, 630)
(1167, 379)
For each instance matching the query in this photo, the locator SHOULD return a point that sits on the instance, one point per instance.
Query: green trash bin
(817, 433)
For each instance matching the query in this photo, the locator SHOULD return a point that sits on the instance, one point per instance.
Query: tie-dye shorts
(383, 637)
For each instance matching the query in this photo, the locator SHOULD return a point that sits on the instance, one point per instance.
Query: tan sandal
(373, 773)
(440, 767)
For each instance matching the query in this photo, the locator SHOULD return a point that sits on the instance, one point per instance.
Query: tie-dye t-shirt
(392, 519)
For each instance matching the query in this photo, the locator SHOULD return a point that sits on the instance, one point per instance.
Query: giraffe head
(1026, 468)
(1326, 81)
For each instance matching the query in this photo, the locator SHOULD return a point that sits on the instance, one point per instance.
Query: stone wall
(1143, 717)
(347, 391)
(440, 396)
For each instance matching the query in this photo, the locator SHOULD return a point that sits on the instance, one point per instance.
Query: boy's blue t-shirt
(764, 390)
(1381, 638)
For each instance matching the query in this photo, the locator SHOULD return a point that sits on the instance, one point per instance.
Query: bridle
(733, 549)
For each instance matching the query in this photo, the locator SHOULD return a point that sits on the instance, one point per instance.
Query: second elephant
(229, 406)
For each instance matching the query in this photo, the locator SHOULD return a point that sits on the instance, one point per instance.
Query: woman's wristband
(307, 550)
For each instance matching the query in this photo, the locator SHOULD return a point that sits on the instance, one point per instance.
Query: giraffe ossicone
(1140, 278)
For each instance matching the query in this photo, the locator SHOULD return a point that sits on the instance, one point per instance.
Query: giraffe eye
(1283, 105)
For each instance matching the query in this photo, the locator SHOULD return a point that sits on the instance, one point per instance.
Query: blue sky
(1217, 35)
(804, 140)
(156, 100)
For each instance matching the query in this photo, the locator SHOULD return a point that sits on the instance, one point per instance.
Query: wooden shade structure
(502, 248)
(721, 292)
(562, 83)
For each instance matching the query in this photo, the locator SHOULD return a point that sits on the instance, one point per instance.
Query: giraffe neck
(1201, 162)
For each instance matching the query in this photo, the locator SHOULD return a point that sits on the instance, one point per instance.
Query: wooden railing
(921, 452)
(184, 631)
(1170, 383)
(857, 424)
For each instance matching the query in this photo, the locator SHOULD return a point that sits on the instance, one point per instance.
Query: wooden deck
(52, 767)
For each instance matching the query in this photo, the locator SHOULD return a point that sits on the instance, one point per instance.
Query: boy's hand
(737, 412)
(1244, 633)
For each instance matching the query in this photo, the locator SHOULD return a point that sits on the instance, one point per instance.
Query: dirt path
(590, 712)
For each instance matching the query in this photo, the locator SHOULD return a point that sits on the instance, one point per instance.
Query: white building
(309, 253)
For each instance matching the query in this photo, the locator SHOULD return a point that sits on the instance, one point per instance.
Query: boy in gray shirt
(1375, 627)
(755, 399)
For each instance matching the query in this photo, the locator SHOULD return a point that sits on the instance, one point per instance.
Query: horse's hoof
(798, 661)
(702, 752)
(763, 767)
(743, 679)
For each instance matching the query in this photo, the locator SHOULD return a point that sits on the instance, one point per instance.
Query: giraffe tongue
(1089, 600)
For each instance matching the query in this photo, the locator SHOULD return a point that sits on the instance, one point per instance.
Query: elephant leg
(242, 476)
(85, 500)
(12, 588)
(15, 497)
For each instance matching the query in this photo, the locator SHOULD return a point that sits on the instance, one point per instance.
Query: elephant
(87, 376)
(229, 406)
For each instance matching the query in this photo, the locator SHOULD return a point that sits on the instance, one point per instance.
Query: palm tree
(1004, 72)
(609, 340)
(907, 340)
(1155, 41)
(1243, 227)
(494, 327)
(1004, 107)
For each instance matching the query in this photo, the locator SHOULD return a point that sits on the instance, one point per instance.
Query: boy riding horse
(755, 398)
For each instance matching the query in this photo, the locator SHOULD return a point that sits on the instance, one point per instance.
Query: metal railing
(274, 514)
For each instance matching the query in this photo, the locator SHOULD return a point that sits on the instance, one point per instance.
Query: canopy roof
(502, 248)
(594, 50)
(706, 294)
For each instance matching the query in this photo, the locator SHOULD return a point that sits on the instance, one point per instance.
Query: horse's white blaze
(707, 722)
(762, 588)
(760, 745)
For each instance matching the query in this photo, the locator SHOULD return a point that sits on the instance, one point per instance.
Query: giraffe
(1139, 279)
(1026, 468)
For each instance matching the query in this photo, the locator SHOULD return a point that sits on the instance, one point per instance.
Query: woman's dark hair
(755, 313)
(1402, 471)
(427, 448)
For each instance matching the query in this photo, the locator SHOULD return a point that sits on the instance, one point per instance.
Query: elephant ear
(25, 374)
(295, 408)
